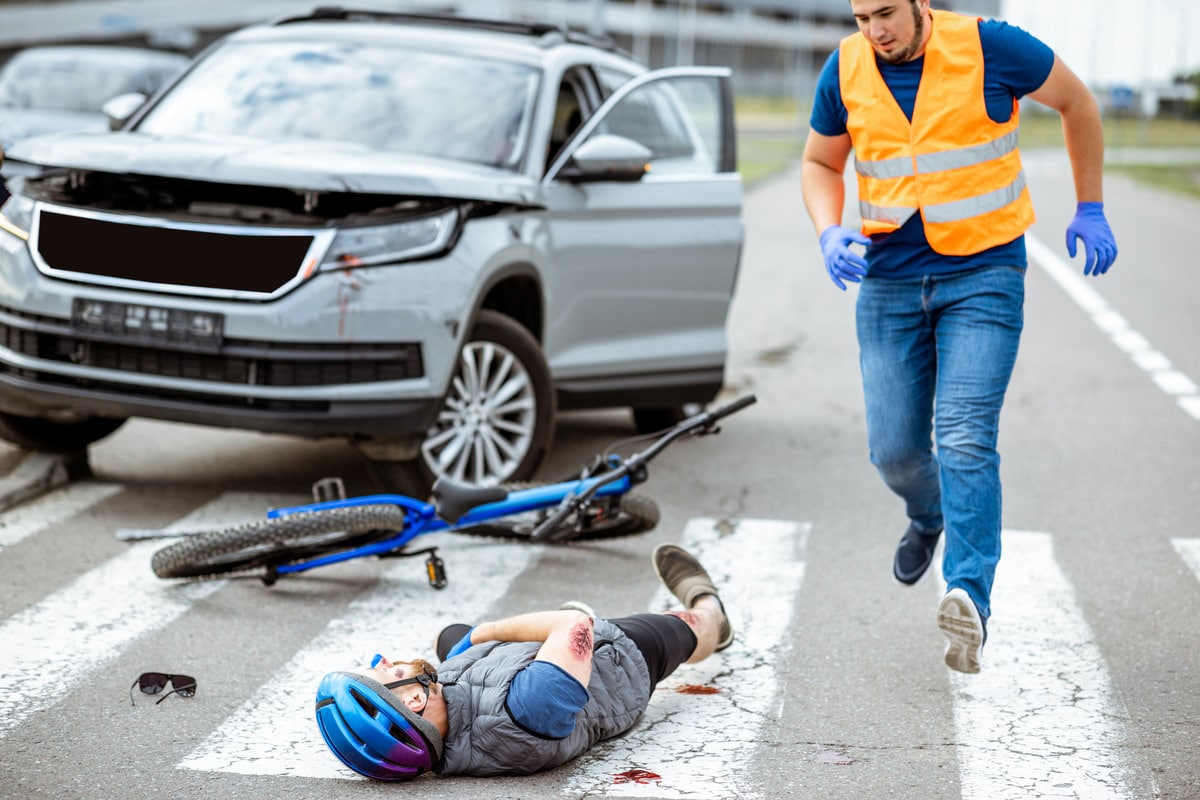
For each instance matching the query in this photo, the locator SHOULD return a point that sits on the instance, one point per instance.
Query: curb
(38, 473)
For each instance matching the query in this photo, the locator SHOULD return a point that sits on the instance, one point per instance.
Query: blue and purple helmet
(372, 732)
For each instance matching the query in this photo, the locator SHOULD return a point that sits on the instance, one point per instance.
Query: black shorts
(665, 641)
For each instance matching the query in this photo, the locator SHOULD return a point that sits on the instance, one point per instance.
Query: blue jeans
(937, 353)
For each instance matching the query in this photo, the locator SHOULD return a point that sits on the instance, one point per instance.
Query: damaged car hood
(22, 123)
(315, 166)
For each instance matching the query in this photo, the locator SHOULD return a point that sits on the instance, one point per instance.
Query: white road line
(1170, 380)
(1189, 551)
(30, 518)
(90, 622)
(275, 732)
(699, 744)
(1042, 718)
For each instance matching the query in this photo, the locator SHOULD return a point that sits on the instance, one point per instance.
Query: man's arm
(1084, 134)
(821, 178)
(824, 197)
(566, 638)
(1083, 130)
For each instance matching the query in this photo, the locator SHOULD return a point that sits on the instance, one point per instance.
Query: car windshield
(65, 83)
(385, 98)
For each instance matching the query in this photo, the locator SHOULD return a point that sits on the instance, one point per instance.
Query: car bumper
(359, 353)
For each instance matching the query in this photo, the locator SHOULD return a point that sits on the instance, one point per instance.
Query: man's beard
(909, 52)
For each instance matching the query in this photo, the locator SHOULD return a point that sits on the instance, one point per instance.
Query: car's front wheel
(53, 436)
(497, 419)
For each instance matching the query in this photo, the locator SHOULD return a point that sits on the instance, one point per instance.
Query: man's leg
(980, 319)
(675, 637)
(690, 583)
(978, 333)
(898, 360)
(705, 619)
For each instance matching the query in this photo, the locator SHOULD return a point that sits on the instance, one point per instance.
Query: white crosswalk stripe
(1041, 719)
(398, 617)
(698, 744)
(89, 623)
(1189, 551)
(26, 520)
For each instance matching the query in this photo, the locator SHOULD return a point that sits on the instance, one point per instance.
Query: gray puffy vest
(484, 739)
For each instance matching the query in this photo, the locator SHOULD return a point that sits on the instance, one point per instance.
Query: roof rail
(550, 33)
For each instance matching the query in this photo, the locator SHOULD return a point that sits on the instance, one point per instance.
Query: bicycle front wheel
(270, 543)
(604, 518)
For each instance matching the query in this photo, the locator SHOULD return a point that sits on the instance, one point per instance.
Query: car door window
(568, 117)
(651, 117)
(682, 115)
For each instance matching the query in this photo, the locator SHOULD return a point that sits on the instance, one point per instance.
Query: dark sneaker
(964, 629)
(914, 554)
(688, 581)
(450, 635)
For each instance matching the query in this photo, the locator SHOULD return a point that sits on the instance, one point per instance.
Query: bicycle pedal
(327, 489)
(435, 568)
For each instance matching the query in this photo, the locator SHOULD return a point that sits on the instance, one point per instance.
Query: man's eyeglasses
(155, 682)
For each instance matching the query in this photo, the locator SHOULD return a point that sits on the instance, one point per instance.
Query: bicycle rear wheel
(270, 543)
(605, 518)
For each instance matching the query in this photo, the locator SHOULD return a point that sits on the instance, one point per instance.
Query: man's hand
(1100, 248)
(842, 263)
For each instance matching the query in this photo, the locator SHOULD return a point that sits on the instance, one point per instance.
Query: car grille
(223, 261)
(243, 362)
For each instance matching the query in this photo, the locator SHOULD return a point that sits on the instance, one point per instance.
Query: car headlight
(16, 215)
(385, 244)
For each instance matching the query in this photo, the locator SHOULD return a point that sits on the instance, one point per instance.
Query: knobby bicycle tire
(635, 513)
(276, 541)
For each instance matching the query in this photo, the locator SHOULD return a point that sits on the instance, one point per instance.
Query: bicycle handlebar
(734, 407)
(698, 423)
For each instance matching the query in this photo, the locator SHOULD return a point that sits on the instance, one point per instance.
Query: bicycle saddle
(453, 500)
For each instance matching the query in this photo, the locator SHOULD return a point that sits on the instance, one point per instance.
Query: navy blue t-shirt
(1015, 63)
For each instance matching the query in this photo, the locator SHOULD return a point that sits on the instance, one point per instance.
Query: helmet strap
(427, 678)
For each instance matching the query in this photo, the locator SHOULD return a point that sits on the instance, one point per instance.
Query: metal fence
(775, 47)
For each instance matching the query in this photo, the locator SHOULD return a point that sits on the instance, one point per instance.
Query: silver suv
(424, 234)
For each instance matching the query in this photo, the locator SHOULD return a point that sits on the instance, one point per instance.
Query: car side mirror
(608, 158)
(120, 108)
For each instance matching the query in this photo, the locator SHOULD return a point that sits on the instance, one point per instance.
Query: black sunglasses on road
(155, 682)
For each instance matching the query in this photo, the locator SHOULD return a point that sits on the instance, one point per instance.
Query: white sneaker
(964, 630)
(578, 605)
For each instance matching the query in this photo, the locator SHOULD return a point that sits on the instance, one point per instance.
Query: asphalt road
(835, 687)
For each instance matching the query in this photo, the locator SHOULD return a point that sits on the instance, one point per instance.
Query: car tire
(47, 435)
(496, 421)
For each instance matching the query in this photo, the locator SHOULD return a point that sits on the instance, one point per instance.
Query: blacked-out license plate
(129, 321)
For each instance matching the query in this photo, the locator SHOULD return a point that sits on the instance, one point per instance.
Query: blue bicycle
(598, 504)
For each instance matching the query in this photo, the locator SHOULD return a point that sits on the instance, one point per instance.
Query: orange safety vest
(954, 164)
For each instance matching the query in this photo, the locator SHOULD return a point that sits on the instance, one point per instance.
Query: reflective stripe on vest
(948, 212)
(938, 162)
(951, 163)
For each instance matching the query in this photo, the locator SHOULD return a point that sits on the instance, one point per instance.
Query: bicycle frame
(421, 517)
(597, 503)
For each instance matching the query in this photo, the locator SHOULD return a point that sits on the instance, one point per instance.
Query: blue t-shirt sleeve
(1015, 60)
(544, 699)
(829, 112)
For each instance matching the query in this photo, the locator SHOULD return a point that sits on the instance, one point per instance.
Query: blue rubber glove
(1100, 248)
(842, 263)
(464, 644)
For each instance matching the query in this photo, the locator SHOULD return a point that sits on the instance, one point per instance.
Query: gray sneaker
(964, 630)
(688, 581)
